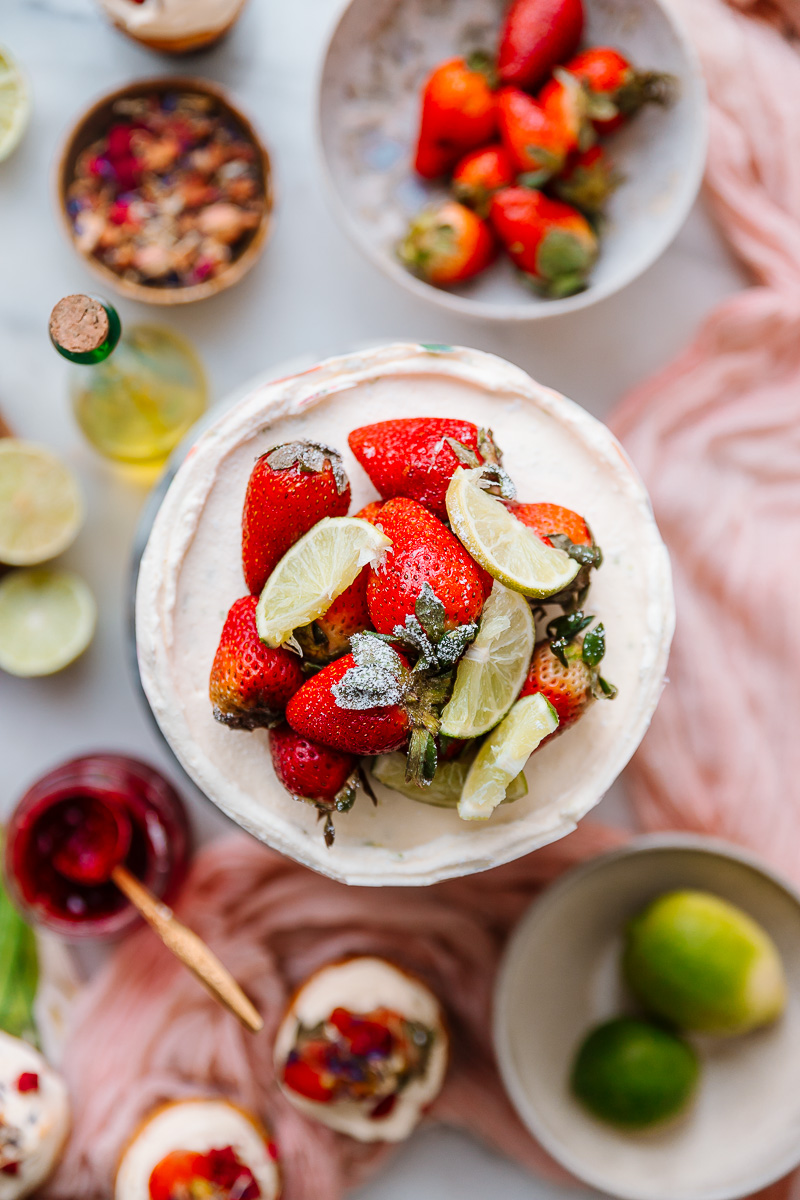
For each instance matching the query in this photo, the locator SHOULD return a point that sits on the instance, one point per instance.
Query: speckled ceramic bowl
(561, 975)
(377, 60)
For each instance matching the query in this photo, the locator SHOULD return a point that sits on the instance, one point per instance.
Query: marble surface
(311, 293)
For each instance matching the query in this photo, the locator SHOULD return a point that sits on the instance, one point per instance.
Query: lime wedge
(41, 508)
(504, 754)
(448, 782)
(15, 104)
(314, 572)
(503, 545)
(492, 672)
(47, 620)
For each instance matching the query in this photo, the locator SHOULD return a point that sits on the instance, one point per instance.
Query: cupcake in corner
(34, 1118)
(203, 1149)
(174, 26)
(363, 1048)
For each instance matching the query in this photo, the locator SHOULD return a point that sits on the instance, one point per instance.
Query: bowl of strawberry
(404, 616)
(512, 159)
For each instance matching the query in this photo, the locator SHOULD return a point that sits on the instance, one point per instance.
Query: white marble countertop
(311, 293)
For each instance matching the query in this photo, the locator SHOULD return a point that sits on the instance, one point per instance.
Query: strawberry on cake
(363, 1049)
(34, 1118)
(430, 647)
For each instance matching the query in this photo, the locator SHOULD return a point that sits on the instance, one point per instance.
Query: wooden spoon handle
(190, 949)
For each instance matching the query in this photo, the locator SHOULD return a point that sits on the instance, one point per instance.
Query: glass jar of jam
(52, 809)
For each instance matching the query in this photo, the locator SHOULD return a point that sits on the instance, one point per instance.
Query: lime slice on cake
(47, 619)
(502, 545)
(41, 508)
(492, 672)
(504, 754)
(15, 104)
(314, 572)
(445, 789)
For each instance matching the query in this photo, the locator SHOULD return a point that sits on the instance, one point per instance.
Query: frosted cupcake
(204, 1147)
(363, 1049)
(174, 26)
(34, 1118)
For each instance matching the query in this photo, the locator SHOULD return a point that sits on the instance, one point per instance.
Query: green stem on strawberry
(562, 632)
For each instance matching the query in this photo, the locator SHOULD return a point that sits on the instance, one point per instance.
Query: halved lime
(492, 672)
(47, 619)
(448, 782)
(502, 545)
(314, 572)
(41, 508)
(15, 104)
(504, 754)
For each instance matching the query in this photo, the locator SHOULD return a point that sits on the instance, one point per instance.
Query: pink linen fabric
(145, 1032)
(717, 439)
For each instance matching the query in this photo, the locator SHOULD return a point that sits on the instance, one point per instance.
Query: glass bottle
(134, 394)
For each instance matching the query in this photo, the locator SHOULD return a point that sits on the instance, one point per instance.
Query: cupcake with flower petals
(363, 1048)
(202, 1149)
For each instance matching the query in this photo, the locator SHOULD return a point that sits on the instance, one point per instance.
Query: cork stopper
(79, 324)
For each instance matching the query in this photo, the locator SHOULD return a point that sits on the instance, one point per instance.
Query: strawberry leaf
(594, 646)
(607, 689)
(430, 611)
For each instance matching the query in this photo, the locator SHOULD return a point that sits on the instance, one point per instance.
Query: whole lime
(703, 964)
(634, 1074)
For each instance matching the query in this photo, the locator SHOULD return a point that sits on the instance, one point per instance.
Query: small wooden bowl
(95, 121)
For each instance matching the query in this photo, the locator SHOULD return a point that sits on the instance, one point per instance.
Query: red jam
(186, 1174)
(53, 812)
(28, 1082)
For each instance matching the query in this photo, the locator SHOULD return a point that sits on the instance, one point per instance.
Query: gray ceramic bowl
(377, 60)
(561, 975)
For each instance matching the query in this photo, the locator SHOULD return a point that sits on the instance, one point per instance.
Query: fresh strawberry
(615, 90)
(423, 551)
(548, 519)
(552, 243)
(230, 1175)
(329, 636)
(588, 180)
(307, 769)
(479, 174)
(447, 244)
(315, 773)
(535, 143)
(564, 668)
(317, 711)
(370, 512)
(291, 488)
(250, 683)
(564, 101)
(569, 689)
(175, 1174)
(457, 115)
(417, 456)
(536, 35)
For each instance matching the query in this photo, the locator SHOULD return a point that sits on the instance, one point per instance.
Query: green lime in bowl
(633, 1074)
(703, 964)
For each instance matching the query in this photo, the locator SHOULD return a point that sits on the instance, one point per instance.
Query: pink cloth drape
(717, 438)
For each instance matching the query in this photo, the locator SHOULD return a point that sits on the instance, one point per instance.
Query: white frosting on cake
(198, 1125)
(172, 19)
(362, 985)
(33, 1124)
(191, 573)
